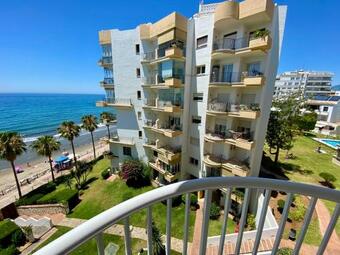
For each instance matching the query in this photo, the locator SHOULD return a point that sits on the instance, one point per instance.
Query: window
(202, 42)
(139, 115)
(194, 141)
(127, 151)
(196, 119)
(137, 49)
(200, 69)
(198, 96)
(140, 134)
(139, 94)
(193, 161)
(325, 108)
(138, 72)
(155, 153)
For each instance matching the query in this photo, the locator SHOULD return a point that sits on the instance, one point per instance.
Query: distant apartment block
(328, 111)
(308, 83)
(193, 96)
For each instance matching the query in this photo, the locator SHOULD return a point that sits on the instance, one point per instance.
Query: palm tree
(90, 124)
(11, 146)
(157, 245)
(107, 118)
(69, 130)
(45, 146)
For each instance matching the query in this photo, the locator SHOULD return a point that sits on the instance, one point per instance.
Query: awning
(60, 159)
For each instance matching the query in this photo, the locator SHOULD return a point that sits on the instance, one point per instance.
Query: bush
(10, 234)
(10, 250)
(32, 197)
(281, 204)
(329, 178)
(193, 200)
(251, 222)
(64, 196)
(298, 213)
(135, 173)
(284, 251)
(214, 211)
(30, 200)
(105, 174)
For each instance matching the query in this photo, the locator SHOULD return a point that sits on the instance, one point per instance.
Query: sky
(52, 46)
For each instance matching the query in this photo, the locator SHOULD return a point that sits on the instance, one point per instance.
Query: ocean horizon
(37, 114)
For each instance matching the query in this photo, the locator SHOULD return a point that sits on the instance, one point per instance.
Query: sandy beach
(40, 171)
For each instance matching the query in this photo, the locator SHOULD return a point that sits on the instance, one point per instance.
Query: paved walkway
(197, 229)
(117, 229)
(32, 247)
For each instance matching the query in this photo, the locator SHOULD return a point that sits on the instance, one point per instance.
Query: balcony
(157, 82)
(250, 111)
(166, 153)
(94, 228)
(244, 46)
(107, 83)
(161, 55)
(166, 129)
(236, 79)
(243, 140)
(127, 141)
(119, 102)
(169, 176)
(105, 62)
(163, 106)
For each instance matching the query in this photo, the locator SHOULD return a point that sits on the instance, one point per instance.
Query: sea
(34, 115)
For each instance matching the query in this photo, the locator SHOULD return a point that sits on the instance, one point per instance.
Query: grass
(90, 246)
(307, 165)
(102, 195)
(215, 226)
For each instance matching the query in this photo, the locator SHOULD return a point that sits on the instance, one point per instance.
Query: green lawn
(307, 165)
(90, 246)
(215, 226)
(102, 195)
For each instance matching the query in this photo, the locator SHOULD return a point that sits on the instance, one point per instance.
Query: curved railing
(94, 227)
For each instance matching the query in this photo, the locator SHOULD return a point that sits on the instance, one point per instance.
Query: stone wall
(43, 210)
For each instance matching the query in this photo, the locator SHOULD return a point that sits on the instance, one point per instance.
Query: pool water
(331, 143)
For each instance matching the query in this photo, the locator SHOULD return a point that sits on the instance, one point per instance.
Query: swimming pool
(330, 142)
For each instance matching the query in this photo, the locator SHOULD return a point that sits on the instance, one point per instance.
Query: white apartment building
(328, 111)
(308, 83)
(193, 96)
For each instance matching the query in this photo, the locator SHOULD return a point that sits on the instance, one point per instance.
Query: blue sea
(34, 115)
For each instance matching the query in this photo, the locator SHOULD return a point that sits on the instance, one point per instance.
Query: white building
(193, 96)
(328, 110)
(308, 83)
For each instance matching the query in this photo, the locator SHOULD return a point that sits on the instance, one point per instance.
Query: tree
(279, 135)
(11, 146)
(81, 173)
(107, 118)
(45, 146)
(157, 245)
(69, 130)
(307, 121)
(90, 124)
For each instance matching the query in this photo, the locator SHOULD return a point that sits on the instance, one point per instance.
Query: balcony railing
(231, 107)
(94, 227)
(231, 44)
(124, 102)
(231, 134)
(233, 77)
(105, 61)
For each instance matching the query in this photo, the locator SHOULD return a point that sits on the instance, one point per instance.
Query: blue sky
(52, 46)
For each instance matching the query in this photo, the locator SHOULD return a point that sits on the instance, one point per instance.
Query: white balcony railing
(94, 227)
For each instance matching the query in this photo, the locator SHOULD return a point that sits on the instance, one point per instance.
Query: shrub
(135, 173)
(251, 222)
(32, 197)
(214, 211)
(299, 211)
(30, 200)
(10, 234)
(64, 196)
(193, 200)
(329, 178)
(284, 251)
(280, 204)
(105, 174)
(10, 250)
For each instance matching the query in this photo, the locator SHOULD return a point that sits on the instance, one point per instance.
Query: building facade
(308, 83)
(193, 96)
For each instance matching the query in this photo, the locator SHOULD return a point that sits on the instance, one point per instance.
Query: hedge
(31, 197)
(64, 196)
(10, 250)
(10, 233)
